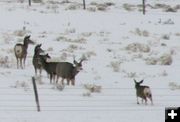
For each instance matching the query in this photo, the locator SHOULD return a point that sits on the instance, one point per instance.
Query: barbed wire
(120, 88)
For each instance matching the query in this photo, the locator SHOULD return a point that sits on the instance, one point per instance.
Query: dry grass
(131, 75)
(20, 33)
(138, 47)
(151, 61)
(164, 73)
(4, 62)
(90, 53)
(22, 84)
(115, 65)
(165, 59)
(93, 88)
(128, 7)
(7, 38)
(37, 1)
(166, 37)
(174, 86)
(87, 94)
(140, 32)
(177, 34)
(67, 39)
(170, 9)
(74, 6)
(100, 6)
(71, 48)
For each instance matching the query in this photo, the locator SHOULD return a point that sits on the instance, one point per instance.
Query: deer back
(65, 70)
(141, 91)
(20, 51)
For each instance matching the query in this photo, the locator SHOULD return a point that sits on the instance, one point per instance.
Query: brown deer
(50, 67)
(20, 51)
(143, 92)
(67, 71)
(37, 63)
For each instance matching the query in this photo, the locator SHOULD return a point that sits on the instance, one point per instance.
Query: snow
(102, 36)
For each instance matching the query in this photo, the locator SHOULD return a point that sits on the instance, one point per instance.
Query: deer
(50, 67)
(20, 51)
(143, 92)
(67, 71)
(37, 60)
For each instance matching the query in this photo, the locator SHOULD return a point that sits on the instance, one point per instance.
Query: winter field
(120, 44)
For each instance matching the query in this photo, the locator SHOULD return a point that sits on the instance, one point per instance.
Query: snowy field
(120, 44)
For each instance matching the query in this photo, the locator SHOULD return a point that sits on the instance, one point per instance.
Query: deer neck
(137, 87)
(25, 45)
(75, 71)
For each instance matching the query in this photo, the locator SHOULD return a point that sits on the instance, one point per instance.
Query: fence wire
(16, 99)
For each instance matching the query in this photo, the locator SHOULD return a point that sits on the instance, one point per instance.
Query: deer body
(20, 51)
(36, 59)
(67, 71)
(50, 67)
(143, 92)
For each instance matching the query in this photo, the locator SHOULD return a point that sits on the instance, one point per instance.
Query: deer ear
(27, 37)
(81, 60)
(40, 45)
(141, 81)
(75, 62)
(134, 81)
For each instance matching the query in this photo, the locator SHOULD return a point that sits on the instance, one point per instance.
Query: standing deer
(67, 71)
(37, 60)
(143, 92)
(20, 51)
(50, 67)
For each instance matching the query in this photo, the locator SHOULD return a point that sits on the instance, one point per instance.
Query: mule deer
(143, 92)
(50, 67)
(36, 59)
(67, 71)
(20, 51)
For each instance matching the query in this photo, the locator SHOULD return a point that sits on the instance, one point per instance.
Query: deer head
(78, 65)
(137, 84)
(27, 40)
(38, 49)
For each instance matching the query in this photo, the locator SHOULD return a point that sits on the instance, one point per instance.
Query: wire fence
(71, 99)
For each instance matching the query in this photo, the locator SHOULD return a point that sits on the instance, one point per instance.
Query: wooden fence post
(29, 2)
(144, 6)
(36, 94)
(84, 4)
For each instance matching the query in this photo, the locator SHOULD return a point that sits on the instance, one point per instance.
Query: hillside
(120, 44)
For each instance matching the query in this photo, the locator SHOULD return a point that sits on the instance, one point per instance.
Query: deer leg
(24, 61)
(62, 81)
(68, 81)
(40, 71)
(145, 100)
(137, 99)
(54, 76)
(151, 100)
(21, 63)
(51, 76)
(73, 82)
(35, 71)
(17, 62)
(57, 79)
(142, 101)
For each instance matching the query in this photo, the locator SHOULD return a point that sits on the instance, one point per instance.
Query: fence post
(36, 94)
(84, 4)
(144, 6)
(29, 2)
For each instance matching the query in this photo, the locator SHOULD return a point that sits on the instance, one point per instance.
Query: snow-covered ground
(120, 43)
